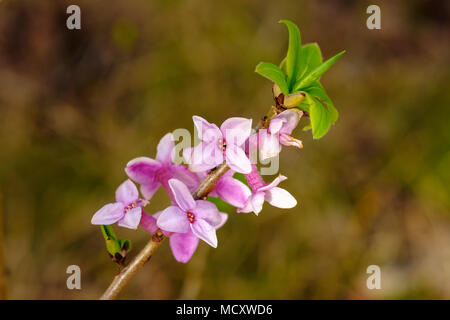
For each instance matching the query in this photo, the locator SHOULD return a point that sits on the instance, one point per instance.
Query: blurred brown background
(75, 106)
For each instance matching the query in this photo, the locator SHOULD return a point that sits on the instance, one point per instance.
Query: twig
(144, 255)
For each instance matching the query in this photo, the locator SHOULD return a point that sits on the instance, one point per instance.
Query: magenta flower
(199, 216)
(183, 245)
(152, 173)
(278, 133)
(221, 144)
(261, 192)
(126, 211)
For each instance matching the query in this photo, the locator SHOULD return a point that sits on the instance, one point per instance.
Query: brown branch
(202, 191)
(208, 183)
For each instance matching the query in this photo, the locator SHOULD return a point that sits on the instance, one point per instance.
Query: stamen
(129, 207)
(191, 217)
(222, 144)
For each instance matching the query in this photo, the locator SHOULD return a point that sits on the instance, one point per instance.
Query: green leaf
(125, 244)
(221, 205)
(293, 58)
(113, 246)
(315, 74)
(108, 232)
(318, 92)
(116, 247)
(319, 116)
(283, 65)
(241, 177)
(305, 103)
(311, 58)
(273, 73)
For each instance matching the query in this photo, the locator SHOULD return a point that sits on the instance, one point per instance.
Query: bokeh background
(75, 106)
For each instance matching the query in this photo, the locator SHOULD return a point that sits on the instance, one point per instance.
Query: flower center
(191, 217)
(129, 207)
(222, 144)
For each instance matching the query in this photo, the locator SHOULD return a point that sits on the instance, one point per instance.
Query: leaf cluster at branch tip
(300, 71)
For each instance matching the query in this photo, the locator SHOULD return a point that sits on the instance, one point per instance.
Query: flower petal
(148, 222)
(108, 214)
(205, 156)
(257, 202)
(280, 198)
(127, 193)
(232, 191)
(207, 211)
(173, 219)
(237, 160)
(206, 131)
(131, 218)
(187, 154)
(253, 144)
(183, 174)
(182, 195)
(287, 140)
(290, 120)
(142, 170)
(274, 183)
(269, 145)
(223, 219)
(183, 246)
(148, 190)
(236, 130)
(275, 125)
(247, 208)
(205, 231)
(166, 149)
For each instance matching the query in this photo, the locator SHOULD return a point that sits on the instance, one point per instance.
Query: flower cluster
(188, 220)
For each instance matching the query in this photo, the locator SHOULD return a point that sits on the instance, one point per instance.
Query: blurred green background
(75, 106)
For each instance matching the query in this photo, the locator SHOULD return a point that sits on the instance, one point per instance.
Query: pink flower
(261, 192)
(199, 216)
(126, 211)
(183, 245)
(151, 174)
(221, 144)
(279, 131)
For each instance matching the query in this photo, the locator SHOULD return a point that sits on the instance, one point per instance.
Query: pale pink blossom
(152, 173)
(271, 193)
(278, 133)
(219, 145)
(183, 245)
(197, 216)
(126, 211)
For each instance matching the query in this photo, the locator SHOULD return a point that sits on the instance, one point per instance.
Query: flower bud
(276, 91)
(293, 100)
